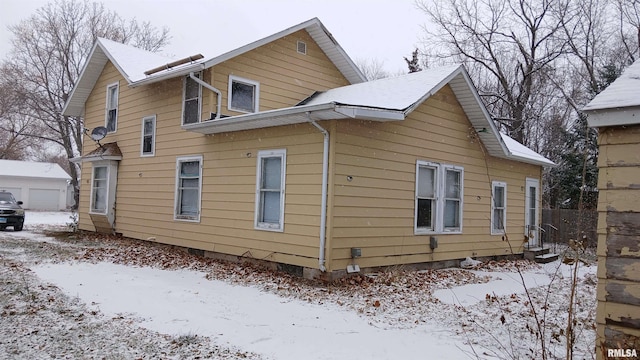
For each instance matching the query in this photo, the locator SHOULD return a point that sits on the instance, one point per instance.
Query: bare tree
(372, 69)
(506, 43)
(49, 50)
(629, 27)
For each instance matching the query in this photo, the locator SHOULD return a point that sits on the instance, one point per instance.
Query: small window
(191, 107)
(438, 203)
(148, 142)
(188, 188)
(498, 207)
(99, 186)
(270, 182)
(243, 95)
(111, 118)
(302, 47)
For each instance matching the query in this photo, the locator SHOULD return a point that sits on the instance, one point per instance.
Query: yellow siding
(375, 210)
(146, 185)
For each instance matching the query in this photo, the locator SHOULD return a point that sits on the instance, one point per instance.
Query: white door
(44, 199)
(531, 212)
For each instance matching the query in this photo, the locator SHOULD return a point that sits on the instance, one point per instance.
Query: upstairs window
(148, 142)
(243, 94)
(191, 106)
(270, 190)
(188, 188)
(438, 201)
(111, 120)
(498, 207)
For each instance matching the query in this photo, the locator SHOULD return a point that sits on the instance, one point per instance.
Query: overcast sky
(384, 30)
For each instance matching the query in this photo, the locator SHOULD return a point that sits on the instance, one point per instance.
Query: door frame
(531, 230)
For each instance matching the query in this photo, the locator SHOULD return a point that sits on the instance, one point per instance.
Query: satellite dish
(99, 133)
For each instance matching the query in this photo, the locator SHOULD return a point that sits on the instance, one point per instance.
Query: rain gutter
(219, 101)
(323, 210)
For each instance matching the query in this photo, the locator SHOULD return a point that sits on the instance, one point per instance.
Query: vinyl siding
(375, 210)
(146, 185)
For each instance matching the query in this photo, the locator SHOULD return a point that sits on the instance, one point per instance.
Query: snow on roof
(623, 92)
(32, 169)
(395, 93)
(131, 61)
(522, 152)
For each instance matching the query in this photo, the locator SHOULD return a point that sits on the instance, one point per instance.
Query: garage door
(44, 199)
(17, 192)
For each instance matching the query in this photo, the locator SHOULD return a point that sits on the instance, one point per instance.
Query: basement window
(243, 94)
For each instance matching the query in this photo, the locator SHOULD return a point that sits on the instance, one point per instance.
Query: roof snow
(522, 152)
(395, 93)
(131, 61)
(32, 170)
(623, 92)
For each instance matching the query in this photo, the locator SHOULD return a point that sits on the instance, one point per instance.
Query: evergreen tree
(414, 63)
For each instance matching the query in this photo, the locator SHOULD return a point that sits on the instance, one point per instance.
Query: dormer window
(111, 117)
(191, 106)
(243, 94)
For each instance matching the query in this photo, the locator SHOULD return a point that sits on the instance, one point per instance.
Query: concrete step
(546, 258)
(531, 253)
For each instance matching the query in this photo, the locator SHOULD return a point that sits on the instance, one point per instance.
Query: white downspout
(199, 81)
(323, 210)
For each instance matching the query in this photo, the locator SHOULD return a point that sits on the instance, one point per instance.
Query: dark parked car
(11, 213)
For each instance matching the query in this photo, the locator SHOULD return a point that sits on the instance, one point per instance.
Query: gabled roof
(621, 98)
(133, 62)
(390, 99)
(28, 169)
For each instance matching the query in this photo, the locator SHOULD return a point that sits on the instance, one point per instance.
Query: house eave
(619, 116)
(291, 116)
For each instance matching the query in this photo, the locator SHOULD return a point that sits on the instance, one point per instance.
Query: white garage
(40, 186)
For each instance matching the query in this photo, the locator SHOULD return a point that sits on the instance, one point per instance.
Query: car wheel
(18, 227)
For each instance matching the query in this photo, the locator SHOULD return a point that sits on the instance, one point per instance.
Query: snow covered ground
(87, 296)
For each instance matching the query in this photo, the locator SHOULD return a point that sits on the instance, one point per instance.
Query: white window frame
(92, 209)
(438, 226)
(184, 98)
(494, 221)
(258, 224)
(108, 107)
(152, 119)
(256, 94)
(178, 195)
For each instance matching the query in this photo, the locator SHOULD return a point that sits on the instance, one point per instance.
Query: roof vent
(302, 47)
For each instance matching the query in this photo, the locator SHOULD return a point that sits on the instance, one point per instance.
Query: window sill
(426, 232)
(93, 212)
(269, 227)
(187, 219)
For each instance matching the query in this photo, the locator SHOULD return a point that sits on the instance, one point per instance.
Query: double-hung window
(148, 143)
(270, 182)
(188, 188)
(243, 94)
(438, 202)
(192, 100)
(111, 117)
(99, 186)
(498, 207)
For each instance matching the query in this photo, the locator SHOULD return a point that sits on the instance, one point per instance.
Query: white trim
(304, 45)
(107, 103)
(282, 154)
(532, 182)
(440, 173)
(495, 231)
(256, 93)
(184, 100)
(106, 195)
(153, 136)
(179, 160)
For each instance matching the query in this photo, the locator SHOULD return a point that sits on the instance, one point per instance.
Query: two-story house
(280, 151)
